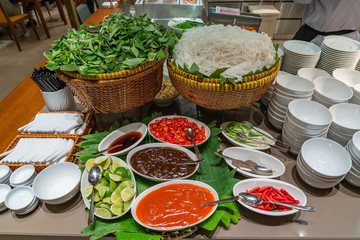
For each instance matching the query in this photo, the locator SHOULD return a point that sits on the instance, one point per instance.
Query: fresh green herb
(186, 25)
(122, 43)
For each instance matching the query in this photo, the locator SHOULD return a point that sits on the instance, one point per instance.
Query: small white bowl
(346, 118)
(295, 85)
(109, 139)
(249, 184)
(356, 89)
(300, 129)
(278, 105)
(23, 175)
(165, 102)
(281, 99)
(275, 113)
(285, 94)
(353, 178)
(298, 135)
(276, 122)
(5, 173)
(325, 158)
(348, 76)
(277, 110)
(355, 144)
(309, 114)
(57, 183)
(337, 138)
(315, 98)
(331, 90)
(4, 190)
(174, 21)
(261, 158)
(294, 148)
(19, 198)
(312, 73)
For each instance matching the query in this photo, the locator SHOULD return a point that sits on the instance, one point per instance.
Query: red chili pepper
(264, 188)
(287, 194)
(255, 189)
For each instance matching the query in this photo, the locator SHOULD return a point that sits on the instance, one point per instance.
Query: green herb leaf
(218, 72)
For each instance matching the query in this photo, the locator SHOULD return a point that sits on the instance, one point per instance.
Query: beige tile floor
(15, 65)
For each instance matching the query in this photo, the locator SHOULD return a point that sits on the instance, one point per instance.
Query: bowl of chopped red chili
(271, 190)
(172, 129)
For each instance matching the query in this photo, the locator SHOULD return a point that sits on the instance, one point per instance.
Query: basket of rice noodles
(223, 67)
(114, 66)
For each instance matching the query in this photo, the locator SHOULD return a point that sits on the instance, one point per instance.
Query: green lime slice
(126, 206)
(89, 164)
(108, 193)
(107, 163)
(105, 205)
(126, 184)
(102, 191)
(115, 177)
(99, 185)
(100, 160)
(122, 172)
(114, 165)
(116, 198)
(127, 194)
(117, 208)
(106, 174)
(107, 200)
(88, 191)
(98, 203)
(103, 212)
(113, 185)
(105, 182)
(96, 197)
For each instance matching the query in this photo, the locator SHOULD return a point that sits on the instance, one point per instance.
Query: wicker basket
(117, 95)
(39, 167)
(210, 94)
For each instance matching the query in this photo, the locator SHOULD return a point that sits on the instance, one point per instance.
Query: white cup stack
(4, 190)
(312, 73)
(23, 176)
(350, 78)
(345, 123)
(5, 173)
(266, 98)
(322, 163)
(304, 119)
(21, 200)
(330, 91)
(353, 148)
(287, 88)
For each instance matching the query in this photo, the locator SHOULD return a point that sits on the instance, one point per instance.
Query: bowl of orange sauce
(174, 205)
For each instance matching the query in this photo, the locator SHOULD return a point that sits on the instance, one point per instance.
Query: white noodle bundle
(219, 46)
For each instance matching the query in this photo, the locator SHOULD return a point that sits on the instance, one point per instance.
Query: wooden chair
(10, 21)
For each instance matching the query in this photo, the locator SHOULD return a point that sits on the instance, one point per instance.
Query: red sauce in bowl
(174, 205)
(129, 139)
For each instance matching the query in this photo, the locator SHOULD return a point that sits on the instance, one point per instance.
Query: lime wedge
(89, 164)
(107, 163)
(121, 171)
(102, 191)
(113, 185)
(116, 198)
(96, 197)
(98, 203)
(100, 160)
(106, 174)
(105, 205)
(117, 208)
(99, 185)
(108, 193)
(127, 194)
(114, 165)
(105, 182)
(103, 212)
(88, 191)
(126, 184)
(107, 200)
(126, 206)
(115, 177)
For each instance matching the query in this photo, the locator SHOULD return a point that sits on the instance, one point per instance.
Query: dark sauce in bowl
(128, 139)
(161, 162)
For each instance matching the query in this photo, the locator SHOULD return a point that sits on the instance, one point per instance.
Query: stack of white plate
(23, 176)
(4, 190)
(266, 98)
(322, 163)
(338, 52)
(350, 78)
(330, 91)
(5, 173)
(353, 148)
(21, 200)
(299, 54)
(345, 123)
(312, 73)
(304, 119)
(286, 89)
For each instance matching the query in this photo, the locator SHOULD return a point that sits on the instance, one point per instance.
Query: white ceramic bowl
(312, 73)
(109, 139)
(154, 145)
(5, 173)
(355, 99)
(355, 144)
(301, 135)
(57, 183)
(295, 85)
(261, 158)
(198, 123)
(325, 158)
(281, 99)
(275, 113)
(297, 96)
(157, 186)
(174, 21)
(300, 129)
(277, 110)
(276, 122)
(356, 89)
(4, 190)
(294, 147)
(249, 184)
(309, 114)
(348, 76)
(278, 105)
(337, 138)
(18, 199)
(23, 175)
(346, 117)
(316, 98)
(331, 90)
(165, 102)
(352, 178)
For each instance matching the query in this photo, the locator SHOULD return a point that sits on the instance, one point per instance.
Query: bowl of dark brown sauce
(124, 138)
(160, 161)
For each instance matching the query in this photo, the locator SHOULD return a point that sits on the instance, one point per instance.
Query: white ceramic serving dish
(337, 138)
(346, 118)
(309, 114)
(325, 158)
(276, 122)
(261, 158)
(296, 85)
(332, 90)
(269, 138)
(277, 114)
(4, 190)
(302, 130)
(174, 21)
(165, 102)
(249, 184)
(18, 199)
(198, 123)
(355, 144)
(312, 73)
(109, 139)
(29, 208)
(281, 99)
(348, 76)
(294, 147)
(279, 110)
(290, 95)
(57, 183)
(151, 145)
(315, 98)
(353, 178)
(299, 136)
(157, 186)
(23, 175)
(356, 89)
(5, 172)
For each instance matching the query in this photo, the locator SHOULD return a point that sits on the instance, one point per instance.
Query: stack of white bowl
(345, 123)
(322, 163)
(357, 68)
(4, 190)
(304, 119)
(312, 73)
(23, 176)
(353, 148)
(5, 173)
(356, 96)
(350, 78)
(299, 54)
(21, 200)
(286, 89)
(330, 91)
(266, 98)
(339, 52)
